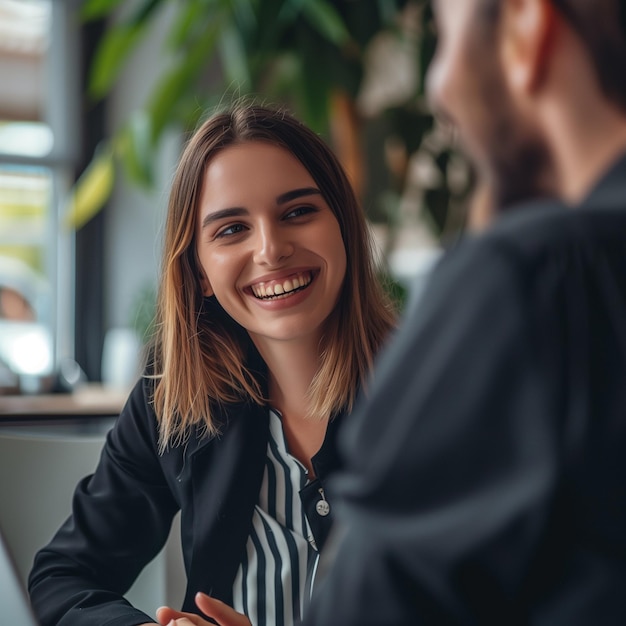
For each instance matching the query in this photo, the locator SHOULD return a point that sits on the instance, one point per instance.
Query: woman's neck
(292, 366)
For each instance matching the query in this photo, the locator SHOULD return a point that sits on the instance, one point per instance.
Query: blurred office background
(104, 92)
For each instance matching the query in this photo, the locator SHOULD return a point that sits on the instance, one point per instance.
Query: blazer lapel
(226, 474)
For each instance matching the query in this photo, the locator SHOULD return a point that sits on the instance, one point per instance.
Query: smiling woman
(281, 231)
(269, 319)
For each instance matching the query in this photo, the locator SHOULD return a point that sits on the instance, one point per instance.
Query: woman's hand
(223, 614)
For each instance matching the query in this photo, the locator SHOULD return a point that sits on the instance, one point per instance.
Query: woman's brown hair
(200, 354)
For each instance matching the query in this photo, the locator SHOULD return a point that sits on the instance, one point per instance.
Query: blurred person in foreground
(485, 477)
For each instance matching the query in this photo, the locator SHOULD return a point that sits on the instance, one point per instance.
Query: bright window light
(26, 348)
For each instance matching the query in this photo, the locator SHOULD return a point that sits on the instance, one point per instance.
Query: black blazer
(122, 514)
(485, 479)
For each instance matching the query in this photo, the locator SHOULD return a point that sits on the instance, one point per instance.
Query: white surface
(121, 354)
(14, 604)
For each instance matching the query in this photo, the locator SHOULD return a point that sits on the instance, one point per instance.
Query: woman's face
(269, 245)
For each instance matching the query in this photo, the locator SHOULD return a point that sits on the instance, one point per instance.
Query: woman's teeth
(283, 289)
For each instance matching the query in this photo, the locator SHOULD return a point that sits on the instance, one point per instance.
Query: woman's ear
(205, 285)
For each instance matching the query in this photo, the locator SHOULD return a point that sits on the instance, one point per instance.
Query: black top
(486, 477)
(122, 514)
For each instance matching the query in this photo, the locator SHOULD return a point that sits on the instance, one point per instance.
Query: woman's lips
(282, 288)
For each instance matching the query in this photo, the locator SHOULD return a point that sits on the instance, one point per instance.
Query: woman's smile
(282, 288)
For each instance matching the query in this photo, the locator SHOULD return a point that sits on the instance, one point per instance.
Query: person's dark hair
(601, 24)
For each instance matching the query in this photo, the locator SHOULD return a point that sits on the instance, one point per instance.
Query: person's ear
(527, 36)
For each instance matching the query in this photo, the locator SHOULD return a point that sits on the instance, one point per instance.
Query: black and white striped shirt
(275, 580)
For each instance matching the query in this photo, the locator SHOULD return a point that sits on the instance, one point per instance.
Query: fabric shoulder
(534, 231)
(137, 420)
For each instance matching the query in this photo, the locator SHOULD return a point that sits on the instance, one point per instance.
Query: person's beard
(516, 163)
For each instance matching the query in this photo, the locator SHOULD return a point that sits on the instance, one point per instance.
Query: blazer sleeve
(452, 456)
(121, 517)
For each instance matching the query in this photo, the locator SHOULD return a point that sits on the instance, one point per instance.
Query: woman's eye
(300, 211)
(233, 229)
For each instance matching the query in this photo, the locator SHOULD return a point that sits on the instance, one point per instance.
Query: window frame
(60, 112)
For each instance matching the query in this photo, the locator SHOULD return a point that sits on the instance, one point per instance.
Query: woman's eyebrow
(236, 211)
(222, 214)
(297, 193)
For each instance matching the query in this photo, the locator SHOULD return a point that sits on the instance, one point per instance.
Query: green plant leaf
(288, 10)
(92, 189)
(245, 16)
(115, 47)
(95, 9)
(144, 12)
(388, 10)
(111, 54)
(176, 84)
(192, 16)
(233, 56)
(326, 20)
(136, 151)
(315, 79)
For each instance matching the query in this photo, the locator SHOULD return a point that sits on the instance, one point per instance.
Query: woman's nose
(272, 246)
